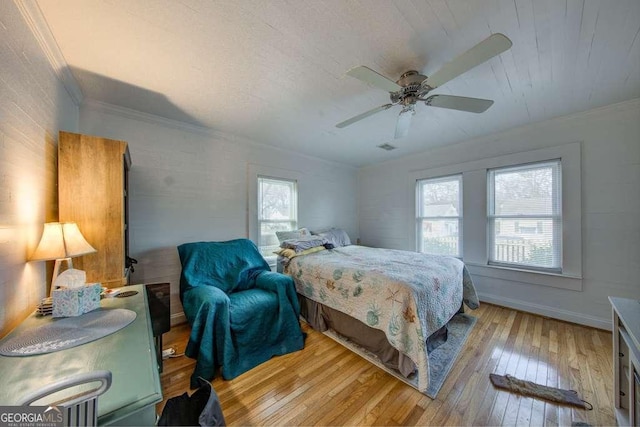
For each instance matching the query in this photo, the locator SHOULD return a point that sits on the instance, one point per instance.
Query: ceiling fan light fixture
(404, 121)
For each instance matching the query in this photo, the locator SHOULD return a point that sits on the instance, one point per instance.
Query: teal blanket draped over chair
(241, 314)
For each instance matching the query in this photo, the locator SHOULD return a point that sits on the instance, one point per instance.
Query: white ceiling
(273, 71)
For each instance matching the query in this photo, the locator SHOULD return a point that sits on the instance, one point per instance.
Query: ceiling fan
(412, 86)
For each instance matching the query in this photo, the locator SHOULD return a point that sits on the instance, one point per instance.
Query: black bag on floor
(202, 408)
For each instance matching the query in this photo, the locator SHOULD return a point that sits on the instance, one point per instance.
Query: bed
(372, 295)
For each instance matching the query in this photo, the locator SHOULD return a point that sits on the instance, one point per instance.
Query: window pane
(529, 191)
(526, 241)
(525, 215)
(440, 197)
(277, 199)
(277, 211)
(439, 237)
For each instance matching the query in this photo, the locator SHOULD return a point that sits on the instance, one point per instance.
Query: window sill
(542, 278)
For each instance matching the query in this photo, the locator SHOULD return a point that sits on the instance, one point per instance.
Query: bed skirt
(321, 318)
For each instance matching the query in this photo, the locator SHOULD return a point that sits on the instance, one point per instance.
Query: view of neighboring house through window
(277, 211)
(439, 215)
(525, 216)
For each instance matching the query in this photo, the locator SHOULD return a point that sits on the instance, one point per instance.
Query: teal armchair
(241, 314)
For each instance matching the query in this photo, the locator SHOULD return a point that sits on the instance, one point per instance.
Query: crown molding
(36, 22)
(628, 105)
(129, 113)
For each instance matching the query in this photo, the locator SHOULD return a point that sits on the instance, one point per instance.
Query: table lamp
(61, 241)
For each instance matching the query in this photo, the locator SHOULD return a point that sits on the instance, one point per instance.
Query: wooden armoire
(92, 191)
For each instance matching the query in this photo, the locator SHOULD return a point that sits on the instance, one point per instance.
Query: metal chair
(79, 409)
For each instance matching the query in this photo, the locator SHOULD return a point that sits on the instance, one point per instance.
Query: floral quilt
(407, 295)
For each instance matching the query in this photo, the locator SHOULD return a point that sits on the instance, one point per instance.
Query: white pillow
(293, 234)
(336, 236)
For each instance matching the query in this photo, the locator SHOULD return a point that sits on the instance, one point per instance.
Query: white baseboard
(178, 318)
(543, 310)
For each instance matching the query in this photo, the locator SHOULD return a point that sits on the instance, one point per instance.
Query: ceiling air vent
(387, 147)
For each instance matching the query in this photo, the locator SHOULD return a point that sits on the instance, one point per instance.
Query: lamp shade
(61, 240)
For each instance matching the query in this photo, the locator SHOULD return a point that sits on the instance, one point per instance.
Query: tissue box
(76, 301)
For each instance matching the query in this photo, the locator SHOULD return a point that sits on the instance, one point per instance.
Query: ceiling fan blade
(493, 45)
(363, 115)
(462, 103)
(367, 75)
(404, 122)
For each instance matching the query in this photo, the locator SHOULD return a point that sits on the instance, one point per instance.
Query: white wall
(188, 184)
(34, 106)
(610, 139)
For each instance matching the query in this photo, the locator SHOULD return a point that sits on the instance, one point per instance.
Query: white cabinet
(626, 360)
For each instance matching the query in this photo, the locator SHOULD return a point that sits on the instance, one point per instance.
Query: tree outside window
(277, 211)
(525, 216)
(439, 215)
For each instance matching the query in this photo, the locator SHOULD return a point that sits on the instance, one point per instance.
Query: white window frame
(292, 221)
(475, 248)
(253, 172)
(555, 217)
(420, 219)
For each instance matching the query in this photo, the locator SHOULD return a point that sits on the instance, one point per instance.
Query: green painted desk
(129, 354)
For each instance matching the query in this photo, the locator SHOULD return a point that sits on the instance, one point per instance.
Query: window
(525, 216)
(488, 237)
(277, 211)
(439, 215)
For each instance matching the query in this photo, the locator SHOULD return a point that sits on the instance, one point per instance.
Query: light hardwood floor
(326, 384)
